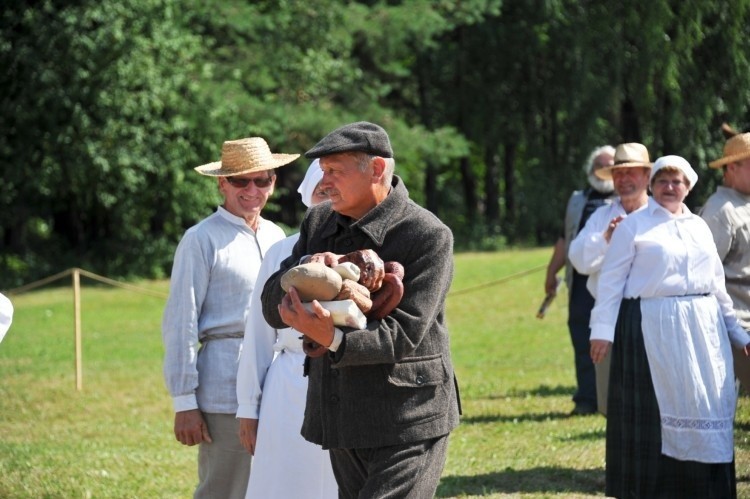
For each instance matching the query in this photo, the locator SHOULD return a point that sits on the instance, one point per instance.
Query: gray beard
(599, 185)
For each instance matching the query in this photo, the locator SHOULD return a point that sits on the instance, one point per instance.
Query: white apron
(285, 465)
(690, 359)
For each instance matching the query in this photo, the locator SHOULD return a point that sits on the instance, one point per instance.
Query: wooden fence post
(76, 272)
(77, 319)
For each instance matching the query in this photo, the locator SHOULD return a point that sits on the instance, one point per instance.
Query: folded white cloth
(343, 312)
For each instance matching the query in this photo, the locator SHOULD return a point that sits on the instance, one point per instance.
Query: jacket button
(420, 380)
(335, 373)
(334, 399)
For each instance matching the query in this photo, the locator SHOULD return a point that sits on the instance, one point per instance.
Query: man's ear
(378, 168)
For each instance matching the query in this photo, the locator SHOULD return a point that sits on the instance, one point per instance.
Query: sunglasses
(241, 183)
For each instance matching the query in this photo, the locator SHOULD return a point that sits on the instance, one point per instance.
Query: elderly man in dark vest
(382, 398)
(580, 206)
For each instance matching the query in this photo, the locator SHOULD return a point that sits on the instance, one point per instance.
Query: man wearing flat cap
(213, 275)
(382, 399)
(727, 213)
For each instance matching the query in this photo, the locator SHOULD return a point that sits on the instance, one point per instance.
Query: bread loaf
(313, 281)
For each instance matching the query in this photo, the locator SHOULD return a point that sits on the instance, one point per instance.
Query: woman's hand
(612, 226)
(599, 349)
(248, 433)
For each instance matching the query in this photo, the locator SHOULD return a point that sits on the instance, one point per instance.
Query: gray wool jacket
(392, 382)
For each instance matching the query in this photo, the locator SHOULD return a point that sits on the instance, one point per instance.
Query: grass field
(114, 438)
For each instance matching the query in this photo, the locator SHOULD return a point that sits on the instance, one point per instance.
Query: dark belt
(221, 336)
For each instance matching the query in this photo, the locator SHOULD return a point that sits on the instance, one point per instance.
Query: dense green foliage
(114, 438)
(492, 106)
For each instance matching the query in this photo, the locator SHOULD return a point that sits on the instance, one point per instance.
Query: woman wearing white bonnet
(678, 163)
(272, 391)
(312, 178)
(663, 308)
(6, 315)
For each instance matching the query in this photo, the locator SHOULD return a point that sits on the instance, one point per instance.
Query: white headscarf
(6, 315)
(312, 178)
(675, 162)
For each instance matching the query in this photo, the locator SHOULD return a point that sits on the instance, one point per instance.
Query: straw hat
(630, 155)
(245, 156)
(736, 148)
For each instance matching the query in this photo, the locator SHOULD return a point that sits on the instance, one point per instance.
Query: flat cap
(361, 136)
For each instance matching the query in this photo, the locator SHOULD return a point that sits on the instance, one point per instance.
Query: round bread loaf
(313, 281)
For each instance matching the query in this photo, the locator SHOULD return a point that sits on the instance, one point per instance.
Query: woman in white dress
(663, 307)
(271, 391)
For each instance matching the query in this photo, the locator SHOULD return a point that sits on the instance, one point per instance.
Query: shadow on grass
(540, 391)
(535, 480)
(537, 417)
(591, 436)
(534, 417)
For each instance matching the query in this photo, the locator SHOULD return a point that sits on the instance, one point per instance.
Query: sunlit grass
(114, 438)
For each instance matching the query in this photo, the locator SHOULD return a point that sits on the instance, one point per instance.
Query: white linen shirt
(655, 253)
(213, 275)
(586, 252)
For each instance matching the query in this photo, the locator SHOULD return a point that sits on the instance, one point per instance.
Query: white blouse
(654, 253)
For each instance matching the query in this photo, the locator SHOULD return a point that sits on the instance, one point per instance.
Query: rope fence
(502, 280)
(85, 273)
(76, 273)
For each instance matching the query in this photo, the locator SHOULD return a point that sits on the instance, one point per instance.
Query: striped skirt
(635, 467)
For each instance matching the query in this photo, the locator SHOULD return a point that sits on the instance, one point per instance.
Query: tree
(101, 119)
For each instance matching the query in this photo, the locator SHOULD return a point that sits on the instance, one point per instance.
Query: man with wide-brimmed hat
(213, 275)
(382, 398)
(629, 173)
(727, 213)
(581, 204)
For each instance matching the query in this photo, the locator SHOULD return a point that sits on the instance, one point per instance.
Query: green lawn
(114, 438)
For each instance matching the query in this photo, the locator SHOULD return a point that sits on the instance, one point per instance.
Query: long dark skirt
(636, 468)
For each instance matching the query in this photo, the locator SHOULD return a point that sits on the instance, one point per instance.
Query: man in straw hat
(727, 213)
(581, 204)
(629, 173)
(383, 398)
(214, 272)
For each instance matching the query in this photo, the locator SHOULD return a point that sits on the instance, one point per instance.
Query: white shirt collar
(235, 219)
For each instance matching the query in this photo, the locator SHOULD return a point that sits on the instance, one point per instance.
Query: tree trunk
(492, 190)
(510, 187)
(631, 129)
